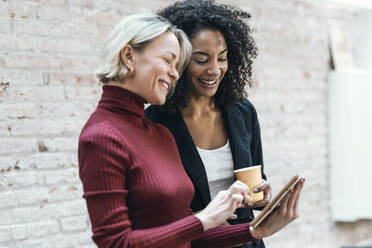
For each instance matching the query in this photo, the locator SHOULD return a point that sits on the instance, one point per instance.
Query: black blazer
(244, 134)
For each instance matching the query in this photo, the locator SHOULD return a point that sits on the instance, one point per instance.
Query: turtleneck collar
(122, 99)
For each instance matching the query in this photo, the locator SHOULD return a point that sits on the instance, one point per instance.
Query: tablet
(270, 207)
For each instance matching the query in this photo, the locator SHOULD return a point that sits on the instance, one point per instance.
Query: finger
(292, 213)
(248, 204)
(268, 195)
(239, 185)
(263, 186)
(295, 195)
(233, 217)
(239, 188)
(299, 193)
(248, 198)
(260, 203)
(284, 204)
(237, 200)
(238, 182)
(291, 210)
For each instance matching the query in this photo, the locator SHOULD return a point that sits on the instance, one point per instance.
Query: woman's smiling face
(155, 68)
(208, 63)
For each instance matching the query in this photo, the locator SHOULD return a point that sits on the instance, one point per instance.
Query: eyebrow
(206, 54)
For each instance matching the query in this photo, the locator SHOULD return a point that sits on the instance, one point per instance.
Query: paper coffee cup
(252, 177)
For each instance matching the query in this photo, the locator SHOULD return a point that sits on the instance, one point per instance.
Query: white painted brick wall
(48, 53)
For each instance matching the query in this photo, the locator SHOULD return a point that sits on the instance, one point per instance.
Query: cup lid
(248, 168)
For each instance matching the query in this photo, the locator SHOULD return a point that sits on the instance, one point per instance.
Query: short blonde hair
(138, 30)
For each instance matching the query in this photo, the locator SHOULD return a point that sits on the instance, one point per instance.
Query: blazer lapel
(239, 136)
(191, 159)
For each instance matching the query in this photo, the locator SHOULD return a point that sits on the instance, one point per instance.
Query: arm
(257, 157)
(226, 235)
(104, 164)
(218, 235)
(256, 144)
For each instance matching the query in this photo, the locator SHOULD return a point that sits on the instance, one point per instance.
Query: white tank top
(219, 167)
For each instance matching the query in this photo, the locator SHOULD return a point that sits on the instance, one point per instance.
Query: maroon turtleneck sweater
(137, 192)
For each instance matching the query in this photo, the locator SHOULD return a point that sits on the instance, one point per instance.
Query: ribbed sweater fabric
(136, 190)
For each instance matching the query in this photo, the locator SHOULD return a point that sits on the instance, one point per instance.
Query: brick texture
(48, 53)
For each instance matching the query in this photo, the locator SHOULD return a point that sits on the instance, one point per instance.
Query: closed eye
(201, 61)
(166, 60)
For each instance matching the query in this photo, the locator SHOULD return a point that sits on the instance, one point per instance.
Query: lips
(208, 83)
(165, 84)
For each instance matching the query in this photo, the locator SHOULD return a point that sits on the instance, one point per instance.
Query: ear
(127, 54)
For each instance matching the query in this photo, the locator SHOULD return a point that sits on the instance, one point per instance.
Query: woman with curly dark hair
(215, 127)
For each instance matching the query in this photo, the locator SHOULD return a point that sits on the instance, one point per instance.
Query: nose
(173, 73)
(214, 68)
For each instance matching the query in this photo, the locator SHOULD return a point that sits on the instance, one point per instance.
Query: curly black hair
(193, 16)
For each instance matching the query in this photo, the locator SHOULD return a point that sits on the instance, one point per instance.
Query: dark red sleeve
(103, 162)
(225, 236)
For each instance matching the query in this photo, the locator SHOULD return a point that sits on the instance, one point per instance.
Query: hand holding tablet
(276, 201)
(280, 211)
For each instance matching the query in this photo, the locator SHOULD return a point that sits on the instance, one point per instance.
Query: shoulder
(246, 107)
(155, 114)
(99, 131)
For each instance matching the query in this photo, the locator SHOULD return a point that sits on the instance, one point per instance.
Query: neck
(199, 106)
(128, 84)
(123, 84)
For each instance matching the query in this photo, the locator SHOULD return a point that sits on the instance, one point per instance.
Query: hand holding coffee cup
(265, 187)
(252, 177)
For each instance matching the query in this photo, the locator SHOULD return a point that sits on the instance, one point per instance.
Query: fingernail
(255, 190)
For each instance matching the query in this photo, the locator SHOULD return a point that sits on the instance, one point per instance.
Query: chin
(207, 94)
(158, 101)
(161, 102)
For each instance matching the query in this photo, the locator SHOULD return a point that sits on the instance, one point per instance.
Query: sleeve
(256, 143)
(103, 168)
(225, 236)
